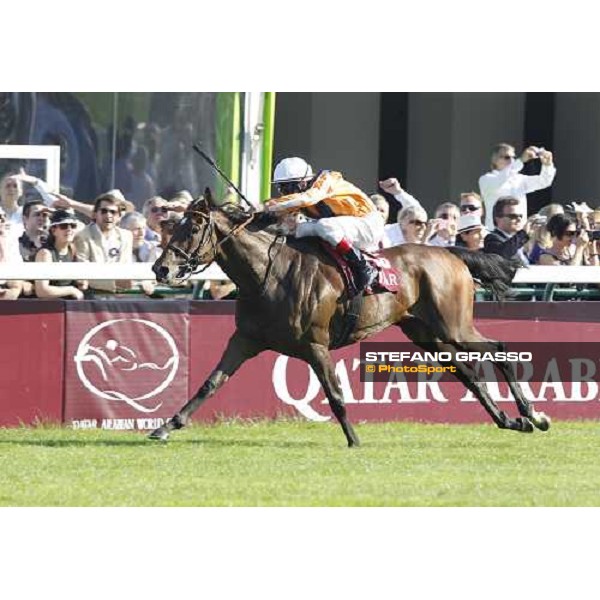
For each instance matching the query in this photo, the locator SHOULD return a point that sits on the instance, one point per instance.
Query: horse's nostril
(161, 273)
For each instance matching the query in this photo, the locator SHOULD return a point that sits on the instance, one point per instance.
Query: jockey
(339, 213)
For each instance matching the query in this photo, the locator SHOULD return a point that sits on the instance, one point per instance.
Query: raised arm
(546, 176)
(61, 201)
(392, 186)
(39, 184)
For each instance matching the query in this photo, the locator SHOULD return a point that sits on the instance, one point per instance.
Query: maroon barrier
(126, 363)
(271, 384)
(31, 362)
(131, 365)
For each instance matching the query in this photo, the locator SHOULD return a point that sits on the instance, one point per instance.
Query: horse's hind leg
(422, 336)
(467, 375)
(238, 351)
(539, 419)
(320, 360)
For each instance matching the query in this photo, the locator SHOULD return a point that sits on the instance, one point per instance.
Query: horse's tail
(492, 270)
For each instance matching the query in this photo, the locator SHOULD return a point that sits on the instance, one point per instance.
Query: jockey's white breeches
(362, 232)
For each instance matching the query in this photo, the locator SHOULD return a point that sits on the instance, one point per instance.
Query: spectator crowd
(57, 228)
(495, 220)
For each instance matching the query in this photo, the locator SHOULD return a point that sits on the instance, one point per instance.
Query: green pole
(228, 125)
(267, 145)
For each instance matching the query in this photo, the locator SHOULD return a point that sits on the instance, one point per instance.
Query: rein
(263, 287)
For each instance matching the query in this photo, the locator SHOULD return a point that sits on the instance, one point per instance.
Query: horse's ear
(208, 197)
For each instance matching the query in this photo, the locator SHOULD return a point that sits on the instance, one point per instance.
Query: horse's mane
(261, 221)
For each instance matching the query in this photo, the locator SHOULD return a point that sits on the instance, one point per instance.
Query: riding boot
(364, 273)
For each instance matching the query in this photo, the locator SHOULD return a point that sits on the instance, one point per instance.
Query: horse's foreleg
(320, 361)
(238, 351)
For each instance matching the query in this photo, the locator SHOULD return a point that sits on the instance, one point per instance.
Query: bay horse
(292, 300)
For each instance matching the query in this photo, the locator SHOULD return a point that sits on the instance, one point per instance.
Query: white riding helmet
(292, 169)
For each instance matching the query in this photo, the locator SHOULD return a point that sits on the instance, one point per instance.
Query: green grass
(303, 464)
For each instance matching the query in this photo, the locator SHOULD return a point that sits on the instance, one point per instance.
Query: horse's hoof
(525, 425)
(541, 421)
(159, 435)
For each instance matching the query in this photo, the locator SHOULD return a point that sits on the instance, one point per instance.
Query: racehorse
(292, 300)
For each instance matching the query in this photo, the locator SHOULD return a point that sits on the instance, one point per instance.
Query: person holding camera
(505, 178)
(569, 244)
(442, 229)
(540, 238)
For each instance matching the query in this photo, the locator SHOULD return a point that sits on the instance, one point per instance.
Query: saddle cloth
(388, 278)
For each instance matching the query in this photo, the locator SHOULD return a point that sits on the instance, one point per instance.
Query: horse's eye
(195, 230)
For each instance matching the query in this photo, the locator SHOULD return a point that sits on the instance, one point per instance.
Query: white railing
(143, 271)
(557, 274)
(93, 272)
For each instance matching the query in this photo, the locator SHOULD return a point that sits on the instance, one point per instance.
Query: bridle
(192, 260)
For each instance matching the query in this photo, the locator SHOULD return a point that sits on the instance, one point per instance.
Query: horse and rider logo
(112, 362)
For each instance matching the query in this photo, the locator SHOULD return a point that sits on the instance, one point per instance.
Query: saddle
(388, 279)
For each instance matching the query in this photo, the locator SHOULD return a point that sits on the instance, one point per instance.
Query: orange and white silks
(343, 198)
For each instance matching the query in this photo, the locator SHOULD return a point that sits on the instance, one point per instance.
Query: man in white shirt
(505, 178)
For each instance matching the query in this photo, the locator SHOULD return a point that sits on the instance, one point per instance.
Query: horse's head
(194, 243)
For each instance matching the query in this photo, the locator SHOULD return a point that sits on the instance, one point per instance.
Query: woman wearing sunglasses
(59, 247)
(410, 228)
(568, 244)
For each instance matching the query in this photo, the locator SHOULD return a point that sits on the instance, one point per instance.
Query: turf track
(303, 464)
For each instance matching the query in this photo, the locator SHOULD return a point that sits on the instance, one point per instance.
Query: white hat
(468, 222)
(292, 169)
